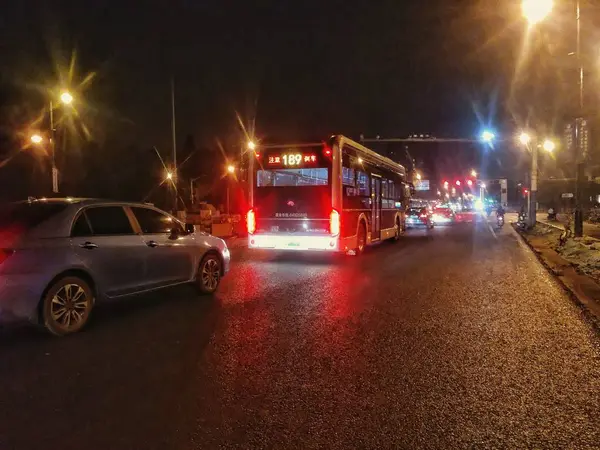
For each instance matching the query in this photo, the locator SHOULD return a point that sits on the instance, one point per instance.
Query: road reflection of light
(240, 353)
(341, 293)
(242, 284)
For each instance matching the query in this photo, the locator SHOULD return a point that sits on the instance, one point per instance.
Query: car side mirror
(174, 233)
(190, 228)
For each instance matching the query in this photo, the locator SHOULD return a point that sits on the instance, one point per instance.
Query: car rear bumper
(294, 242)
(415, 223)
(19, 297)
(443, 220)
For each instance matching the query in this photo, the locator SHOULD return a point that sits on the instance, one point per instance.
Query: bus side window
(385, 193)
(364, 187)
(348, 177)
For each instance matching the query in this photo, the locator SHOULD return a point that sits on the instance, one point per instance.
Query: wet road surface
(453, 338)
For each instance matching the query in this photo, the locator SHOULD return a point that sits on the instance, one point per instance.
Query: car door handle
(88, 245)
(152, 244)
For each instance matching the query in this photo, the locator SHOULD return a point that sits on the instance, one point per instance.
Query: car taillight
(251, 221)
(334, 223)
(4, 254)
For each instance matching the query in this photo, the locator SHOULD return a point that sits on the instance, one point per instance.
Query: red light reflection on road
(242, 284)
(342, 296)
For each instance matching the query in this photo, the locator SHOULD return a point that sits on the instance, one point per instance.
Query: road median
(576, 265)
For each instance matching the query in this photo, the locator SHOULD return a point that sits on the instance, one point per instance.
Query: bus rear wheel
(361, 240)
(397, 231)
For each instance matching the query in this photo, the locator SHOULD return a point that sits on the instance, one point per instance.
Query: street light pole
(175, 174)
(580, 158)
(534, 182)
(228, 182)
(53, 150)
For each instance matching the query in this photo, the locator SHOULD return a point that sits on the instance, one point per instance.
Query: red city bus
(334, 196)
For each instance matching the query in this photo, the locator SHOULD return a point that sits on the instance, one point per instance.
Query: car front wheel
(209, 274)
(67, 305)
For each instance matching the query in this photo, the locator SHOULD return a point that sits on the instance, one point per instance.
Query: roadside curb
(562, 228)
(571, 281)
(551, 225)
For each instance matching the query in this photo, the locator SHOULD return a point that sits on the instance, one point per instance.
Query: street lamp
(169, 175)
(535, 11)
(548, 146)
(230, 171)
(473, 173)
(251, 145)
(66, 98)
(524, 138)
(36, 139)
(487, 136)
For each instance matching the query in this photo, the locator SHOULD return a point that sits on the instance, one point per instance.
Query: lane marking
(491, 230)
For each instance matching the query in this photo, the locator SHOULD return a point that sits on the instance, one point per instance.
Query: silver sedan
(59, 256)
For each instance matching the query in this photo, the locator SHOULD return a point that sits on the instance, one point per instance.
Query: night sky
(301, 69)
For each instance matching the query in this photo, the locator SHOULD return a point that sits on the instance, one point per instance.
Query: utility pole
(53, 150)
(581, 154)
(175, 174)
(533, 187)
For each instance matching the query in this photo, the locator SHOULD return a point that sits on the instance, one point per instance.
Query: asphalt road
(450, 339)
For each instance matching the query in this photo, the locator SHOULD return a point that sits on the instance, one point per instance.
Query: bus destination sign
(292, 159)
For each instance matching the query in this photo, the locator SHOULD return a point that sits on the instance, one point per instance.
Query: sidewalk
(589, 229)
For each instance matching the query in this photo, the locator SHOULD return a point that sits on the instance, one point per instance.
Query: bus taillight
(334, 223)
(251, 221)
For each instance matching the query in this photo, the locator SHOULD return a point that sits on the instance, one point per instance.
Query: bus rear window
(292, 177)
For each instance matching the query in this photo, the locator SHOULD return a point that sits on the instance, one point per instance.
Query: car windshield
(415, 211)
(28, 214)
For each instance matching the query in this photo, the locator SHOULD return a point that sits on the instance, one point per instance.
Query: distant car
(59, 256)
(419, 217)
(466, 215)
(443, 215)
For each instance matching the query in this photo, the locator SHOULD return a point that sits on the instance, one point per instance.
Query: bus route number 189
(294, 159)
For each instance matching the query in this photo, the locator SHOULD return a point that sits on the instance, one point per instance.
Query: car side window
(81, 227)
(109, 220)
(155, 222)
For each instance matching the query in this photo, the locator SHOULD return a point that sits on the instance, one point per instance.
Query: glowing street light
(535, 11)
(251, 145)
(548, 146)
(524, 138)
(36, 139)
(473, 173)
(231, 168)
(169, 175)
(487, 136)
(66, 98)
